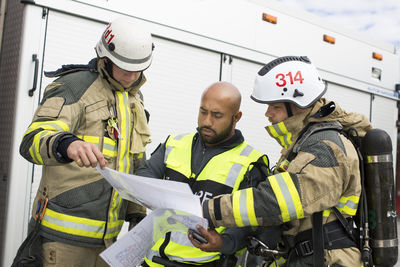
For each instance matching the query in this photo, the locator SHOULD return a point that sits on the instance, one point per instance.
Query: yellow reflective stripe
(178, 153)
(110, 147)
(117, 205)
(236, 208)
(113, 228)
(91, 139)
(70, 218)
(114, 225)
(243, 208)
(124, 124)
(279, 131)
(250, 207)
(73, 225)
(71, 230)
(285, 132)
(348, 204)
(327, 212)
(34, 150)
(57, 126)
(287, 196)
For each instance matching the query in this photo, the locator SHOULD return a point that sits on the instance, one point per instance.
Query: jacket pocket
(95, 116)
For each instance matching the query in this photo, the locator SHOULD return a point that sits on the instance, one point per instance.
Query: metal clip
(112, 122)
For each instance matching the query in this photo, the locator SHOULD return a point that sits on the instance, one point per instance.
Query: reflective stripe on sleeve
(348, 204)
(56, 126)
(287, 196)
(243, 208)
(34, 150)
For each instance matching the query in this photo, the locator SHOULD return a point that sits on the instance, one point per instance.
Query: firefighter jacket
(82, 208)
(323, 174)
(209, 171)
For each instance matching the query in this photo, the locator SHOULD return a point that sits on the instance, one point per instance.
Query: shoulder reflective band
(380, 158)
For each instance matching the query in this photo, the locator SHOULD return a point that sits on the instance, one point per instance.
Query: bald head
(219, 112)
(226, 93)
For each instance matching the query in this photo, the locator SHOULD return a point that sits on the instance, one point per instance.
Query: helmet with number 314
(289, 79)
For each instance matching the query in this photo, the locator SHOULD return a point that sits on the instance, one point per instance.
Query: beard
(217, 138)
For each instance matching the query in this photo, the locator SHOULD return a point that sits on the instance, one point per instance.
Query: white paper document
(133, 246)
(154, 193)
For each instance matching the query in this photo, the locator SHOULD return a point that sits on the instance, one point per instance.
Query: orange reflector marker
(377, 56)
(329, 39)
(269, 18)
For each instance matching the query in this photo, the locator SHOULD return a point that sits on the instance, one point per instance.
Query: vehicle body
(197, 42)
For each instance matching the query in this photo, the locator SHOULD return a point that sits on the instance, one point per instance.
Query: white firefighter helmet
(289, 79)
(127, 44)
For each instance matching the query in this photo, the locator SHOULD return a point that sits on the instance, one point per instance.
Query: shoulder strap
(317, 228)
(309, 130)
(317, 240)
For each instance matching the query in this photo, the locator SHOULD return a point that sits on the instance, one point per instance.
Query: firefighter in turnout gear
(213, 161)
(92, 114)
(316, 176)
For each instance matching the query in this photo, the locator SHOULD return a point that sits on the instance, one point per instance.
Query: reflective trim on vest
(243, 208)
(231, 166)
(178, 153)
(73, 225)
(149, 255)
(226, 168)
(280, 132)
(181, 243)
(287, 196)
(246, 151)
(233, 174)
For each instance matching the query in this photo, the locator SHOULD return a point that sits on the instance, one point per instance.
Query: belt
(335, 237)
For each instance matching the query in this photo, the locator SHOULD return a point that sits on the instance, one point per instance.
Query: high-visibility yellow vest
(227, 168)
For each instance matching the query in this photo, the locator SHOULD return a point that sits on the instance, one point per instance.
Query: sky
(379, 19)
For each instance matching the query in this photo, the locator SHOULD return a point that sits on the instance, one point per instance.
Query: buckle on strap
(304, 248)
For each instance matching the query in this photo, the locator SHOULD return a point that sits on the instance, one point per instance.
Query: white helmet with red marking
(127, 44)
(289, 79)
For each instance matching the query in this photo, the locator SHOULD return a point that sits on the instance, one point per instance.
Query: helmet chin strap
(288, 109)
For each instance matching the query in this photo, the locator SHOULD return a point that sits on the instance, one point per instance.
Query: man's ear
(237, 116)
